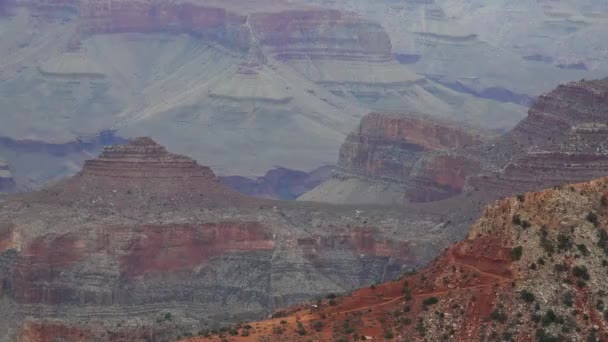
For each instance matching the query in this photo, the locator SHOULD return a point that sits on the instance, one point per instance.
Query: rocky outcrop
(531, 268)
(143, 173)
(216, 23)
(279, 183)
(7, 183)
(322, 34)
(146, 244)
(389, 148)
(561, 141)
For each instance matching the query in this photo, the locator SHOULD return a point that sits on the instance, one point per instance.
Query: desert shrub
(549, 318)
(499, 315)
(568, 299)
(430, 301)
(527, 296)
(516, 253)
(563, 242)
(583, 249)
(581, 272)
(592, 217)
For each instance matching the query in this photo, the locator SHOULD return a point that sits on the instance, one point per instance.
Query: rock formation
(561, 141)
(531, 268)
(146, 244)
(389, 148)
(242, 85)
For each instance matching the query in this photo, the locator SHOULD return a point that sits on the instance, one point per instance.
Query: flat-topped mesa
(144, 174)
(319, 34)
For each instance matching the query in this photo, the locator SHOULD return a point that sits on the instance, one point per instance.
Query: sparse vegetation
(499, 315)
(592, 217)
(581, 272)
(527, 296)
(583, 249)
(563, 242)
(516, 253)
(430, 301)
(549, 318)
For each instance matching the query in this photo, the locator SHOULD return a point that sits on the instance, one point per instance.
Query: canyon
(560, 141)
(242, 86)
(533, 267)
(145, 244)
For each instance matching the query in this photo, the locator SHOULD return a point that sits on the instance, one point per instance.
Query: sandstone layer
(389, 148)
(561, 141)
(533, 268)
(143, 244)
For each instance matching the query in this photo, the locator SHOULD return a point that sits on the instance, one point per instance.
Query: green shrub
(581, 272)
(563, 242)
(430, 301)
(499, 315)
(583, 249)
(549, 318)
(527, 296)
(516, 253)
(592, 217)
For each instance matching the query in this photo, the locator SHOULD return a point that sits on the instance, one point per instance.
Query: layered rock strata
(561, 141)
(531, 268)
(146, 244)
(389, 148)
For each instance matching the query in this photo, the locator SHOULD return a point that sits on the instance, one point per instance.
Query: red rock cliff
(388, 147)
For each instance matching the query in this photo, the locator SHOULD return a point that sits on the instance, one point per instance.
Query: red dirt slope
(534, 268)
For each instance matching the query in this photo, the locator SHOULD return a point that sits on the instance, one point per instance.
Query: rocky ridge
(533, 267)
(146, 244)
(560, 141)
(389, 148)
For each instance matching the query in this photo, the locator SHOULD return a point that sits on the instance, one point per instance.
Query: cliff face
(561, 141)
(531, 268)
(390, 147)
(146, 244)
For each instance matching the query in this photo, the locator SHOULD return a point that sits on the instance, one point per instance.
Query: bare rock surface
(562, 140)
(146, 244)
